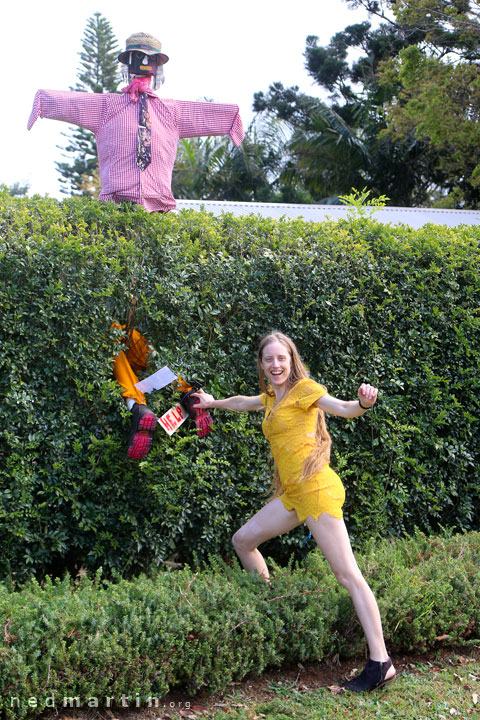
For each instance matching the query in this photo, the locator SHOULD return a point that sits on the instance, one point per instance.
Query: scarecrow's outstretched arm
(78, 108)
(206, 118)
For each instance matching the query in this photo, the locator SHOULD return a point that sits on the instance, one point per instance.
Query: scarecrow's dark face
(141, 64)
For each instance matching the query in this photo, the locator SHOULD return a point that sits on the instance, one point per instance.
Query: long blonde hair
(320, 454)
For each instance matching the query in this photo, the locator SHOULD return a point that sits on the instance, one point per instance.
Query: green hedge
(94, 639)
(365, 301)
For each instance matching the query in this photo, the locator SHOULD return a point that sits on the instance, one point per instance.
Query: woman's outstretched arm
(237, 403)
(367, 396)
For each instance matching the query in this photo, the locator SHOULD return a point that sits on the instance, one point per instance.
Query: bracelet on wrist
(364, 407)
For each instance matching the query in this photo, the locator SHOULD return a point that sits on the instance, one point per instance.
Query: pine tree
(98, 73)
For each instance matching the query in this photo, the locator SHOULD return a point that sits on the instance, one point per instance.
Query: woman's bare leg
(332, 538)
(272, 520)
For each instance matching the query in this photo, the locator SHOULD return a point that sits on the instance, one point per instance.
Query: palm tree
(213, 169)
(328, 154)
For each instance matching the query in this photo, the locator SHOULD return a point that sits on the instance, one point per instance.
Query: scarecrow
(137, 134)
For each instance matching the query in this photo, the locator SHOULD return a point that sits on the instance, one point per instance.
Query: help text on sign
(173, 418)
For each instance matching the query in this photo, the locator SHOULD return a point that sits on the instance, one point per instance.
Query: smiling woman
(307, 489)
(276, 364)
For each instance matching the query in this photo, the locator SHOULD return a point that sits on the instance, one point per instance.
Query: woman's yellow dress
(289, 426)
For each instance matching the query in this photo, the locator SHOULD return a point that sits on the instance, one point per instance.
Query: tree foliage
(417, 142)
(439, 93)
(448, 26)
(18, 190)
(98, 73)
(337, 145)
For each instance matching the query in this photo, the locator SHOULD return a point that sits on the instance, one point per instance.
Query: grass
(429, 690)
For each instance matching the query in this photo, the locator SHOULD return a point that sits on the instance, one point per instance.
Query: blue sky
(223, 51)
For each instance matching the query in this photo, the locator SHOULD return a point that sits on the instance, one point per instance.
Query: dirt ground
(330, 674)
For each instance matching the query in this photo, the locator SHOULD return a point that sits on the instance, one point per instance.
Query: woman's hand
(205, 400)
(367, 394)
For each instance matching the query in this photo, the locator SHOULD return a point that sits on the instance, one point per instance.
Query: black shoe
(371, 677)
(141, 432)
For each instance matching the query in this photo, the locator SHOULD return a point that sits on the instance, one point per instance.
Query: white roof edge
(415, 217)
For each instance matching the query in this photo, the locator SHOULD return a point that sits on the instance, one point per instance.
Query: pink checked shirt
(114, 121)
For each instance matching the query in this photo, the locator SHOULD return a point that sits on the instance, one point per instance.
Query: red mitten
(203, 419)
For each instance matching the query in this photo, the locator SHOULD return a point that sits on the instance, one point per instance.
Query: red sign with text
(173, 418)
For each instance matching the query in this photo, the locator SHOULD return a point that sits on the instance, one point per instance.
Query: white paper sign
(173, 418)
(157, 381)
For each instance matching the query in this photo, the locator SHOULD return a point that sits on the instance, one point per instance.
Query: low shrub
(86, 640)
